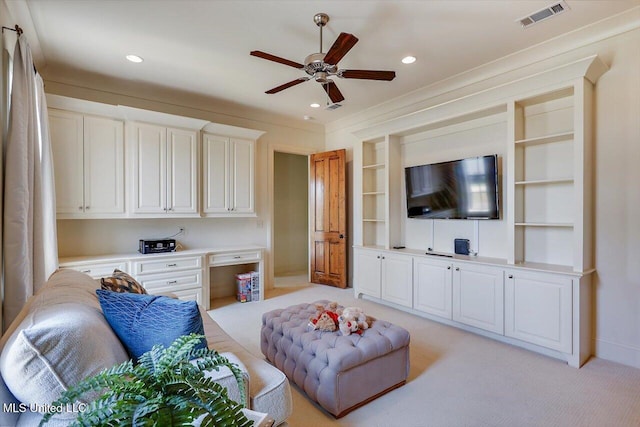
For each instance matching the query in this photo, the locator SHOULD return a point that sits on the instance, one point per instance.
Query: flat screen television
(459, 189)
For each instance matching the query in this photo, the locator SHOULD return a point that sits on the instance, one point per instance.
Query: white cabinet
(538, 309)
(98, 269)
(478, 296)
(228, 181)
(385, 275)
(432, 287)
(165, 170)
(88, 155)
(178, 275)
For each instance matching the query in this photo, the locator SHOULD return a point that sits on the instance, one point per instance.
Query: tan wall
(291, 236)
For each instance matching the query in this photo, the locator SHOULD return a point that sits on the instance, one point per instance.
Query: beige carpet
(458, 378)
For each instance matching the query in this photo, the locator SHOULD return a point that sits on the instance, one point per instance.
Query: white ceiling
(202, 46)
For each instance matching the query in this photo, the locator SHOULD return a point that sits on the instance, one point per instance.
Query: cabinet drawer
(240, 257)
(167, 264)
(170, 282)
(99, 270)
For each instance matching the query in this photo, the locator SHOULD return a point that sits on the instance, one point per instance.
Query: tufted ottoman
(339, 372)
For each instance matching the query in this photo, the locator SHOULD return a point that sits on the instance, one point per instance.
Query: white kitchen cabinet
(432, 286)
(229, 168)
(385, 275)
(538, 309)
(478, 296)
(165, 170)
(88, 155)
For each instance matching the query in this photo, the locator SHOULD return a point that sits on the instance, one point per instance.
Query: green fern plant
(167, 387)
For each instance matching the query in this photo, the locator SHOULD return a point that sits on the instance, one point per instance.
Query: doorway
(291, 220)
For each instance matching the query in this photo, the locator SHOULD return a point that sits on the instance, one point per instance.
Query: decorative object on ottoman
(353, 320)
(325, 318)
(340, 373)
(167, 387)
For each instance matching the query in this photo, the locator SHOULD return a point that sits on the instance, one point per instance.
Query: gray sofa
(61, 336)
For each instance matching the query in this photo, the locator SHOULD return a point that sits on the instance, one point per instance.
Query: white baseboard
(615, 352)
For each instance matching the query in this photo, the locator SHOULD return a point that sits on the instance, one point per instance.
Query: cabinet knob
(237, 257)
(457, 268)
(88, 207)
(86, 271)
(448, 267)
(382, 257)
(378, 257)
(79, 208)
(172, 265)
(511, 276)
(172, 282)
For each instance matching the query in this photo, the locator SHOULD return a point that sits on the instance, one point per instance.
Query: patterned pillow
(142, 321)
(121, 282)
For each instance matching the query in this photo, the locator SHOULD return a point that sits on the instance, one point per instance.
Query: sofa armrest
(225, 377)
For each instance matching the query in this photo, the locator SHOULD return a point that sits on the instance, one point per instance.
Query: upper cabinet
(88, 155)
(228, 176)
(164, 164)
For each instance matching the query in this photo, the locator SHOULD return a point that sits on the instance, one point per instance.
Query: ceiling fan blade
(287, 85)
(340, 47)
(334, 93)
(367, 74)
(274, 58)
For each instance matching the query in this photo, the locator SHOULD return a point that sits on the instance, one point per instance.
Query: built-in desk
(193, 274)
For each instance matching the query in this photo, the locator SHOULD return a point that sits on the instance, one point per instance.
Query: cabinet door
(432, 283)
(182, 171)
(367, 273)
(478, 296)
(397, 279)
(216, 176)
(242, 165)
(66, 130)
(103, 165)
(538, 309)
(149, 154)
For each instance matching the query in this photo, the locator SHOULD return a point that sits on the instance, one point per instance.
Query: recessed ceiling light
(408, 59)
(315, 105)
(134, 58)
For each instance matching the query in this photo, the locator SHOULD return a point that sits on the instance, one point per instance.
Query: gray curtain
(29, 239)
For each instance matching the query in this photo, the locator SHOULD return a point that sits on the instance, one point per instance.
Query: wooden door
(327, 195)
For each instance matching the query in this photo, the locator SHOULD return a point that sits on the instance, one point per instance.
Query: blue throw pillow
(142, 321)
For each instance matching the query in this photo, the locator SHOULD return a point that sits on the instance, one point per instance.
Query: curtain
(29, 219)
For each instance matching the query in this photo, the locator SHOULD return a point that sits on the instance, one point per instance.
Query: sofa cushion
(142, 321)
(120, 281)
(62, 339)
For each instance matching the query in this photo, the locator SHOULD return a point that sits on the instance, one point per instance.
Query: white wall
(617, 156)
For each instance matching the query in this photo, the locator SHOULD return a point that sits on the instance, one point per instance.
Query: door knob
(341, 236)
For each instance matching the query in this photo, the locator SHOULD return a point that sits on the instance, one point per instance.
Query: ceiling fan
(322, 66)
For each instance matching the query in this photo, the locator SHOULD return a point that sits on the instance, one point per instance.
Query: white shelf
(374, 193)
(547, 139)
(374, 166)
(546, 181)
(545, 224)
(373, 220)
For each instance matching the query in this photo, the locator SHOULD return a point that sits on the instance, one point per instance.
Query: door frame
(288, 149)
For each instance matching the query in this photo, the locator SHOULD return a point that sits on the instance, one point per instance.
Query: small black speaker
(461, 246)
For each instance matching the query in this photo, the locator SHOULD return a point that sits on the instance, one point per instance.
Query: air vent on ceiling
(543, 14)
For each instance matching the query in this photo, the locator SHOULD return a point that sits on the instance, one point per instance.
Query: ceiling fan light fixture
(408, 59)
(134, 58)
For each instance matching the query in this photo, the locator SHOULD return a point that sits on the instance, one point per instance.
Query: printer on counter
(157, 246)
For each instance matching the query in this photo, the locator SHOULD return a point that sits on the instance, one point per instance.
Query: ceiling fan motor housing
(314, 63)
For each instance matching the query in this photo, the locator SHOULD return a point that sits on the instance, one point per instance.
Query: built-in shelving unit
(550, 163)
(544, 235)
